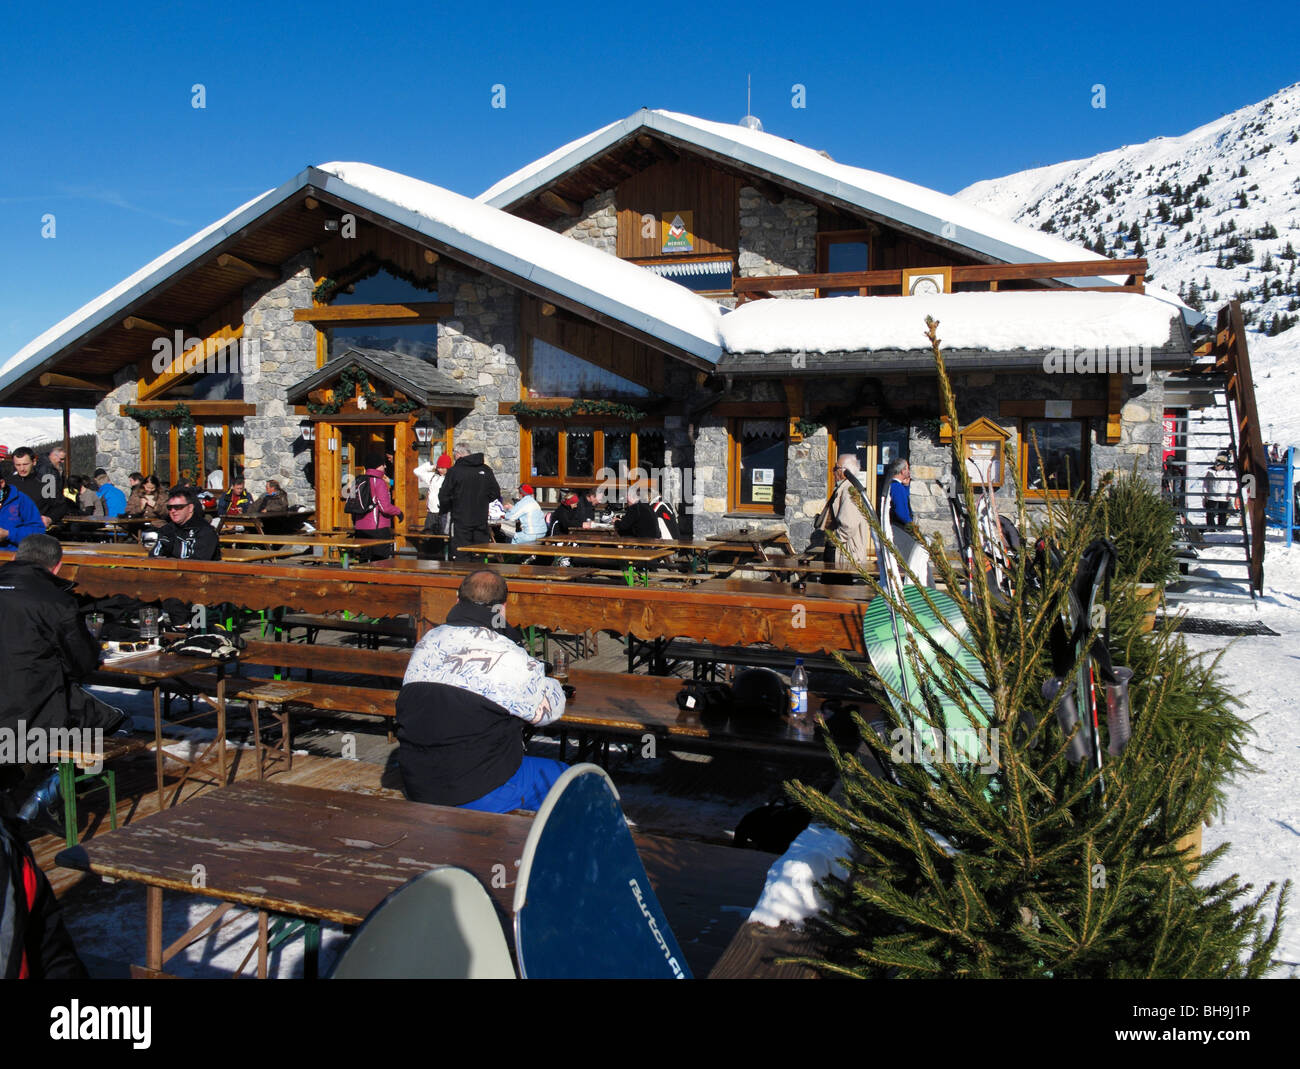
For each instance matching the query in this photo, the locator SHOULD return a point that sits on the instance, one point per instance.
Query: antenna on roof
(750, 121)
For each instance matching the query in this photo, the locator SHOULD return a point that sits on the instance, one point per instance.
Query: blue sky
(98, 127)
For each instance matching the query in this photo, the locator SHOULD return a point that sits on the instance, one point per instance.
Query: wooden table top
(158, 665)
(635, 555)
(134, 549)
(334, 856)
(612, 700)
(608, 538)
(760, 588)
(510, 571)
(325, 541)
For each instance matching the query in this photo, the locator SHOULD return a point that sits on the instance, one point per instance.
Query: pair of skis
(1080, 652)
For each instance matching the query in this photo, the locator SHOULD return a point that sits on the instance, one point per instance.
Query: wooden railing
(748, 289)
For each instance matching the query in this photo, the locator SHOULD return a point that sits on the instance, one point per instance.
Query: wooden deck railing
(748, 289)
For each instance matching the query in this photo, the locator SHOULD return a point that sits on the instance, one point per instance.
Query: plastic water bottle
(799, 692)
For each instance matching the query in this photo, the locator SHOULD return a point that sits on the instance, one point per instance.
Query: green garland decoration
(187, 444)
(608, 409)
(808, 427)
(350, 380)
(362, 268)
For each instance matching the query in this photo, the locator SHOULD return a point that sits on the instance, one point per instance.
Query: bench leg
(68, 786)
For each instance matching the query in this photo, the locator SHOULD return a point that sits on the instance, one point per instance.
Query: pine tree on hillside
(1030, 867)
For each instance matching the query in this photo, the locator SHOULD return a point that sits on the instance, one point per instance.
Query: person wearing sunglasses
(186, 535)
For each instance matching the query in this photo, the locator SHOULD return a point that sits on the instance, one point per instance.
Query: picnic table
(328, 544)
(509, 570)
(267, 522)
(636, 705)
(796, 568)
(125, 526)
(333, 856)
(155, 671)
(137, 550)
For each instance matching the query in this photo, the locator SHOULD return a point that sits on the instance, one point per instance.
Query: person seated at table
(186, 535)
(86, 502)
(588, 504)
(147, 502)
(47, 649)
(527, 513)
(236, 501)
(647, 516)
(42, 484)
(564, 517)
(469, 691)
(19, 516)
(113, 498)
(274, 501)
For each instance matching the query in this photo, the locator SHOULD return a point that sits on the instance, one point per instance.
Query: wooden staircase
(1218, 393)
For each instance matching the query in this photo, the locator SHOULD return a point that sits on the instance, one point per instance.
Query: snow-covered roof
(594, 279)
(922, 209)
(999, 322)
(591, 278)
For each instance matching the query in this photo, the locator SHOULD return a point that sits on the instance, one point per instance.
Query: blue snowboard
(584, 908)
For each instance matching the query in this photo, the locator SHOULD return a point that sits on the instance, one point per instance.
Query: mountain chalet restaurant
(716, 305)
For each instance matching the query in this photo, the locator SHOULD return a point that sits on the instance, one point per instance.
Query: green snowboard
(962, 741)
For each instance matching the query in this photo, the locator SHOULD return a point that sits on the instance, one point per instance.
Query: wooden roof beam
(140, 323)
(657, 148)
(772, 192)
(55, 381)
(556, 203)
(261, 270)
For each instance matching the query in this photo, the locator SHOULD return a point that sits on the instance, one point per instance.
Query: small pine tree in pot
(1026, 864)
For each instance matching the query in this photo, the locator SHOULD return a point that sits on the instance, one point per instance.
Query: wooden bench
(71, 760)
(370, 630)
(705, 657)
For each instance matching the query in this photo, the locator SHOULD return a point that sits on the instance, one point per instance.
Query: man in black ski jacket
(186, 535)
(47, 648)
(466, 493)
(43, 485)
(640, 520)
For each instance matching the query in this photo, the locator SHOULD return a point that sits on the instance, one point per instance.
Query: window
(842, 250)
(876, 443)
(386, 312)
(566, 456)
(218, 445)
(552, 372)
(710, 275)
(1062, 447)
(756, 467)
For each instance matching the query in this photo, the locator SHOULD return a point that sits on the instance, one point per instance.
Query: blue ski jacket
(900, 503)
(19, 516)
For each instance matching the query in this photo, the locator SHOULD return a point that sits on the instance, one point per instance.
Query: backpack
(362, 498)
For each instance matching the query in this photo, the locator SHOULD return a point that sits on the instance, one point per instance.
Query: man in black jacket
(43, 485)
(466, 493)
(186, 535)
(468, 692)
(47, 648)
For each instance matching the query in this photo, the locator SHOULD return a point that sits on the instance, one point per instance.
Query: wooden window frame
(734, 507)
(1025, 447)
(826, 238)
(149, 463)
(599, 429)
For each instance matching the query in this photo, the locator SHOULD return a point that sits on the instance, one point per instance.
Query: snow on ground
(1262, 815)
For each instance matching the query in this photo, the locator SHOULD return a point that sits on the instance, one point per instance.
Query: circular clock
(925, 286)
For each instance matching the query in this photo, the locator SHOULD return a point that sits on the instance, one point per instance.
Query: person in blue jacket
(113, 498)
(19, 516)
(898, 498)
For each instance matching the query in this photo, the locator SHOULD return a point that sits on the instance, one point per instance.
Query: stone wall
(478, 346)
(117, 438)
(286, 354)
(597, 226)
(777, 239)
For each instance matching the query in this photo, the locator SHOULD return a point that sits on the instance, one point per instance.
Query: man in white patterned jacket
(468, 692)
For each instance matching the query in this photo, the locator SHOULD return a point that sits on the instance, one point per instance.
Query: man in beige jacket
(844, 517)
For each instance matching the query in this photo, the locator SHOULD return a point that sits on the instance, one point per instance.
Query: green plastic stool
(68, 780)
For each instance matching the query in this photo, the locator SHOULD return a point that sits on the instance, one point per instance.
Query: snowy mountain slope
(36, 430)
(1216, 212)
